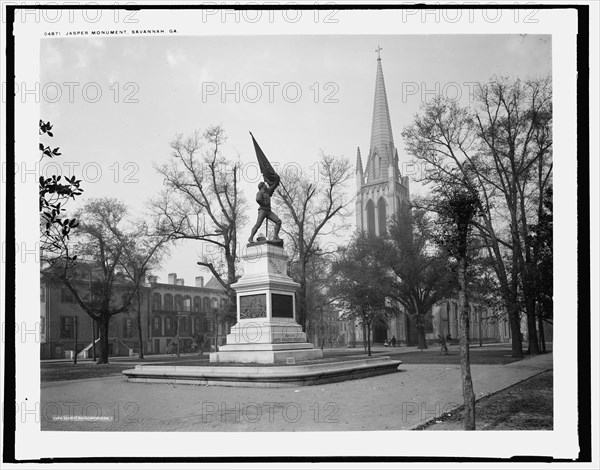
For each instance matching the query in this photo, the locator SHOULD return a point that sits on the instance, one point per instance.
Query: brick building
(168, 312)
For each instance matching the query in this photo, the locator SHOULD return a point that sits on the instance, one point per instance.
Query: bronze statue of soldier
(263, 198)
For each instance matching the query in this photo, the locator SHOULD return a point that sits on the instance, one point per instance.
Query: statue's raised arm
(273, 186)
(265, 192)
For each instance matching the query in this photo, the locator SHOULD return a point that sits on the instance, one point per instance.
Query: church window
(370, 218)
(382, 216)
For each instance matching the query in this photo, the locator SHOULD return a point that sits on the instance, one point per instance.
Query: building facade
(381, 190)
(169, 314)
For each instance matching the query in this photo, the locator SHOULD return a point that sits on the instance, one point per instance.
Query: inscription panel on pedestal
(282, 305)
(253, 306)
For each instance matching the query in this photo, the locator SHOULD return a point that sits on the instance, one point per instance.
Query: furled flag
(265, 167)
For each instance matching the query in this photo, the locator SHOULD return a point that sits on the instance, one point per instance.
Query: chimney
(199, 281)
(152, 279)
(179, 281)
(173, 278)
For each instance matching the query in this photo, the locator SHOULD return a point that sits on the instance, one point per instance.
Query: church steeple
(382, 150)
(359, 170)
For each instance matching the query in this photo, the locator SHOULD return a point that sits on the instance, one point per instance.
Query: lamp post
(178, 351)
(215, 312)
(75, 348)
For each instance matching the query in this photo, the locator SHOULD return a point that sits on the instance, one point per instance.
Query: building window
(156, 329)
(205, 304)
(209, 325)
(66, 327)
(156, 301)
(66, 296)
(168, 326)
(178, 303)
(370, 218)
(197, 304)
(382, 216)
(168, 302)
(197, 327)
(127, 327)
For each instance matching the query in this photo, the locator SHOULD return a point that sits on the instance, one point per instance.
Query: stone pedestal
(266, 331)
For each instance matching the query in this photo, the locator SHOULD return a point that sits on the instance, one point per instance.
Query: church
(381, 190)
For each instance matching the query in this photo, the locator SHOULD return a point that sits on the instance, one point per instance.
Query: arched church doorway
(379, 331)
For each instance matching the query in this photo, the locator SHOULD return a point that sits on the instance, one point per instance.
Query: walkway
(395, 401)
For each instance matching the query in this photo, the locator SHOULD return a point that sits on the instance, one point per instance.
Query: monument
(266, 331)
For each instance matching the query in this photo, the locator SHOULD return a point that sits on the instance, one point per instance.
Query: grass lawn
(55, 371)
(527, 405)
(479, 355)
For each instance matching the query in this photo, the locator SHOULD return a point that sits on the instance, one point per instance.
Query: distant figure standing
(263, 198)
(393, 341)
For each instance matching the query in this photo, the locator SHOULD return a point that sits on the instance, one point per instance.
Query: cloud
(50, 56)
(177, 58)
(98, 43)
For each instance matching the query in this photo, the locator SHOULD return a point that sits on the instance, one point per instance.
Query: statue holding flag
(265, 191)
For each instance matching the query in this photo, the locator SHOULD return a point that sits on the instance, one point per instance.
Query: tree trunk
(513, 313)
(515, 330)
(368, 339)
(532, 337)
(465, 363)
(422, 339)
(302, 302)
(542, 336)
(103, 322)
(139, 326)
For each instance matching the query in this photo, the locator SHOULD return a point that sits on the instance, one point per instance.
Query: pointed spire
(381, 128)
(359, 167)
(381, 151)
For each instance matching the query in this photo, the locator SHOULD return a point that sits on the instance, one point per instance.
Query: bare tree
(143, 254)
(107, 244)
(313, 208)
(458, 208)
(202, 202)
(503, 147)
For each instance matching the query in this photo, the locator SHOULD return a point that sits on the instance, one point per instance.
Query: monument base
(266, 353)
(276, 376)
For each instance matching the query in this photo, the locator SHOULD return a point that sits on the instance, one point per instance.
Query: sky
(116, 103)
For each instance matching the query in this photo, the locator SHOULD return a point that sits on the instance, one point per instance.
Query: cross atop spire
(378, 50)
